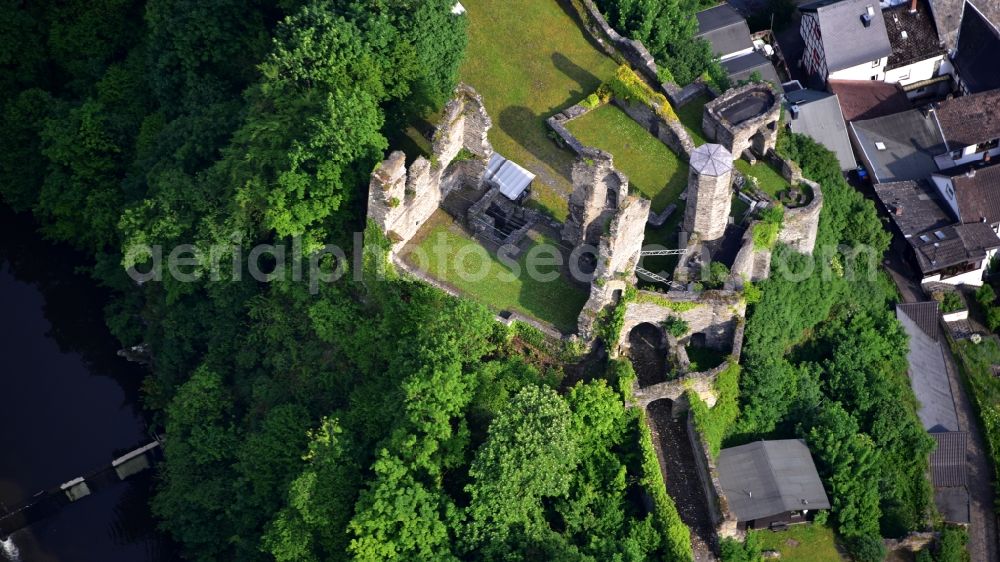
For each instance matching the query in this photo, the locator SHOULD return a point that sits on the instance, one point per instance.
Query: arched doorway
(648, 352)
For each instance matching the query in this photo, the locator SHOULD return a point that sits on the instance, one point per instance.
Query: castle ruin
(710, 192)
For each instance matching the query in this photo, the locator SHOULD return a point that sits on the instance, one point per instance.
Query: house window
(875, 63)
(956, 154)
(875, 77)
(988, 145)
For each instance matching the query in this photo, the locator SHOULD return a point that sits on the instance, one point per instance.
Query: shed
(770, 483)
(817, 114)
(511, 179)
(949, 475)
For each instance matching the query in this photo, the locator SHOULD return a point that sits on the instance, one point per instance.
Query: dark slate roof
(978, 45)
(948, 15)
(924, 316)
(921, 40)
(958, 244)
(970, 120)
(724, 28)
(953, 504)
(819, 117)
(928, 374)
(766, 478)
(868, 99)
(912, 139)
(949, 466)
(977, 191)
(740, 68)
(846, 41)
(914, 205)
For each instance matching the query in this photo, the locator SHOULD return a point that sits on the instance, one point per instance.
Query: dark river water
(68, 403)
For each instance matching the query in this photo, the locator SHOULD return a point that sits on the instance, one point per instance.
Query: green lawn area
(530, 59)
(446, 252)
(976, 363)
(652, 168)
(769, 180)
(815, 543)
(690, 116)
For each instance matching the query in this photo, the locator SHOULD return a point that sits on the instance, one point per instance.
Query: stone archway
(647, 344)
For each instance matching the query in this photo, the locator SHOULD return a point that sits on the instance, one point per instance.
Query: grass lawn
(652, 168)
(976, 363)
(769, 180)
(530, 59)
(690, 115)
(446, 252)
(815, 543)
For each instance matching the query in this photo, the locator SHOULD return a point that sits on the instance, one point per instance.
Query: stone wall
(598, 189)
(713, 313)
(723, 519)
(751, 264)
(759, 133)
(634, 52)
(801, 224)
(400, 200)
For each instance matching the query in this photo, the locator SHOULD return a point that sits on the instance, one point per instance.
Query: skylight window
(939, 234)
(925, 238)
(880, 145)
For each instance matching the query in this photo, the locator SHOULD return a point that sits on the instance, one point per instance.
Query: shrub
(591, 101)
(993, 317)
(951, 547)
(765, 232)
(714, 423)
(986, 296)
(950, 301)
(675, 326)
(717, 275)
(866, 548)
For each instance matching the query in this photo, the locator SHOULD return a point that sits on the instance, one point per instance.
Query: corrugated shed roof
(972, 119)
(846, 40)
(949, 466)
(766, 478)
(819, 117)
(725, 29)
(978, 45)
(911, 140)
(509, 177)
(868, 99)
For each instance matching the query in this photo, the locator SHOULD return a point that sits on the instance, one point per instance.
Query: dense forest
(380, 419)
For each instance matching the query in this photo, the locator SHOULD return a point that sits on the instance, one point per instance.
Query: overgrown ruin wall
(671, 133)
(713, 313)
(400, 200)
(801, 224)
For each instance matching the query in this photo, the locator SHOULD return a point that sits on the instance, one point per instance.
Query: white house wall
(947, 190)
(969, 154)
(863, 71)
(974, 278)
(916, 72)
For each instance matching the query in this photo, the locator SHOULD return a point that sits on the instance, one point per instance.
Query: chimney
(971, 173)
(913, 6)
(898, 211)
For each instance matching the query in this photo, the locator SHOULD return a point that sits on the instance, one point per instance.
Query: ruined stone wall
(619, 249)
(634, 52)
(801, 224)
(400, 200)
(671, 133)
(759, 133)
(714, 313)
(723, 519)
(751, 264)
(598, 189)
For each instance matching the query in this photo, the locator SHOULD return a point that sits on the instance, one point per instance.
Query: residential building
(949, 14)
(817, 114)
(865, 99)
(914, 144)
(919, 61)
(942, 248)
(726, 30)
(844, 40)
(771, 483)
(972, 193)
(976, 59)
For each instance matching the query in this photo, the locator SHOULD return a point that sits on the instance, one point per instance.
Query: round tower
(709, 194)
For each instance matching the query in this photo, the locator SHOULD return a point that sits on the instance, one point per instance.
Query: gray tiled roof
(724, 28)
(978, 44)
(921, 40)
(819, 117)
(846, 41)
(948, 15)
(912, 139)
(969, 120)
(741, 68)
(766, 478)
(977, 191)
(914, 205)
(960, 244)
(949, 465)
(928, 374)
